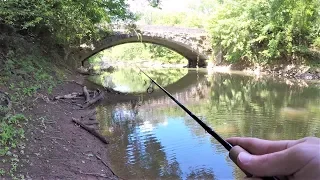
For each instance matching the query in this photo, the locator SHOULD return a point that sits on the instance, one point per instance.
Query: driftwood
(90, 114)
(107, 166)
(90, 130)
(94, 100)
(86, 93)
(91, 97)
(69, 96)
(92, 123)
(74, 95)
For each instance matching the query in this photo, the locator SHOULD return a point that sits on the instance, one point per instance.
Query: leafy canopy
(69, 21)
(263, 30)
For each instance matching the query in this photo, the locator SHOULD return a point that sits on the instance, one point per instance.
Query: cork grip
(234, 153)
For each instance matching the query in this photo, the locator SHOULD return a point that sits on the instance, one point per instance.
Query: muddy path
(56, 147)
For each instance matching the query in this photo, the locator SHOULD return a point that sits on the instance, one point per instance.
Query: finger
(251, 178)
(260, 146)
(282, 163)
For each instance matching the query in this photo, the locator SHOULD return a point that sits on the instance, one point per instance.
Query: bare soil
(57, 148)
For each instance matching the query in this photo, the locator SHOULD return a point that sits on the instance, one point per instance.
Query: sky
(166, 5)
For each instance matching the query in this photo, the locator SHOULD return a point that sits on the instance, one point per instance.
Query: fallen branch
(74, 95)
(90, 114)
(92, 123)
(94, 174)
(90, 130)
(94, 100)
(106, 165)
(86, 93)
(69, 96)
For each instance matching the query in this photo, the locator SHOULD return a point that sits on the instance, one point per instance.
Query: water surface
(152, 138)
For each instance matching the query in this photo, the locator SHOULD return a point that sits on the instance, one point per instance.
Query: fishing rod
(234, 151)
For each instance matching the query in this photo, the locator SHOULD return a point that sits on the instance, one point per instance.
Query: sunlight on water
(152, 138)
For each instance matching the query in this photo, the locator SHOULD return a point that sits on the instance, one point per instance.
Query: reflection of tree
(201, 174)
(238, 106)
(135, 82)
(135, 152)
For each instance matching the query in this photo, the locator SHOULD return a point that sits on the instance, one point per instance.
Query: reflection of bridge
(191, 95)
(186, 82)
(191, 43)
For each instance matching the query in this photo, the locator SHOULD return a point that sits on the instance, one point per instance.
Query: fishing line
(225, 144)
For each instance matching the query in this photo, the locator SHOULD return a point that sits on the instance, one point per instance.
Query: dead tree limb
(69, 96)
(94, 174)
(90, 130)
(106, 165)
(86, 93)
(94, 100)
(92, 123)
(74, 95)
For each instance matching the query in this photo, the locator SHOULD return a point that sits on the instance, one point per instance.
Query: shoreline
(56, 148)
(298, 72)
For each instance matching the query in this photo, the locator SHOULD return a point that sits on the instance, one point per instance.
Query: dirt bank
(287, 71)
(55, 147)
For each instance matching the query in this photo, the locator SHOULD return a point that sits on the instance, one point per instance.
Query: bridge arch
(194, 57)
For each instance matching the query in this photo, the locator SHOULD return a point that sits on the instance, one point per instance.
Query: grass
(11, 135)
(25, 71)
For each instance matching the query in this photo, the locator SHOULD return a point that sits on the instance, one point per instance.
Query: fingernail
(244, 158)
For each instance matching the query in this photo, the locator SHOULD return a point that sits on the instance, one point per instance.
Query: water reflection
(131, 81)
(157, 140)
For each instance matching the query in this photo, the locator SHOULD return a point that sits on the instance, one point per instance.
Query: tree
(69, 21)
(264, 30)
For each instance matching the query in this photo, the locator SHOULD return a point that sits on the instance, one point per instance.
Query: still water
(152, 138)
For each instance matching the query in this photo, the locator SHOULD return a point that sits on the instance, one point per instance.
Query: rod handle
(234, 153)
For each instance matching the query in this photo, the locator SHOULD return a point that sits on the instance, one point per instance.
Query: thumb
(273, 164)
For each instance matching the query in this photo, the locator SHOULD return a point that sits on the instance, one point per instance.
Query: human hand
(293, 159)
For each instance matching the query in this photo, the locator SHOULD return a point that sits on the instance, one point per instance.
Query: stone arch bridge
(191, 43)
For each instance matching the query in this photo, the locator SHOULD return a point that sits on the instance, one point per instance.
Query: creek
(152, 138)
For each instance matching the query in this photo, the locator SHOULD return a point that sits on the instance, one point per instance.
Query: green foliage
(316, 42)
(186, 19)
(32, 73)
(69, 21)
(11, 132)
(2, 172)
(263, 30)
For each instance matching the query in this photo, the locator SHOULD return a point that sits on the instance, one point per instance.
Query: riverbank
(38, 139)
(41, 141)
(56, 148)
(289, 71)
